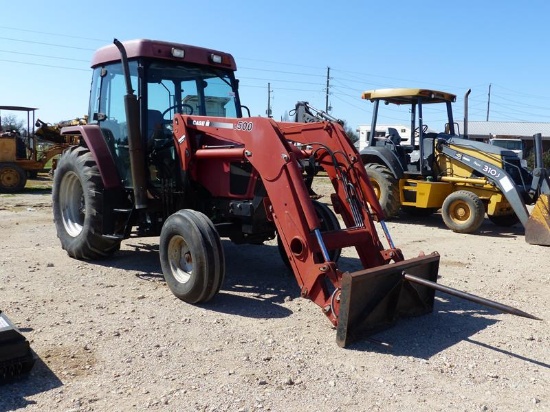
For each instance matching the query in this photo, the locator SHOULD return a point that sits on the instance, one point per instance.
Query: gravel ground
(109, 335)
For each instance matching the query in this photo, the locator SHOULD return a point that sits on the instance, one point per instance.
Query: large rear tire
(12, 178)
(77, 198)
(386, 187)
(191, 256)
(463, 212)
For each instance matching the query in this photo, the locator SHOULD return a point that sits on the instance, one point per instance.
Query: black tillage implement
(16, 358)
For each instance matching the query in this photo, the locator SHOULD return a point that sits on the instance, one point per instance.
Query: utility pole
(488, 102)
(327, 107)
(268, 111)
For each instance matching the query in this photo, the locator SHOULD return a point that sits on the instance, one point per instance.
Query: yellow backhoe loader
(427, 171)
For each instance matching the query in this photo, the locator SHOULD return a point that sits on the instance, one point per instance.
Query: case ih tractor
(178, 160)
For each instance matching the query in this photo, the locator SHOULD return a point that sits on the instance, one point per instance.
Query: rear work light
(178, 53)
(216, 58)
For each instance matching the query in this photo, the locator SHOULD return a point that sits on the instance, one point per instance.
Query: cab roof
(408, 96)
(156, 49)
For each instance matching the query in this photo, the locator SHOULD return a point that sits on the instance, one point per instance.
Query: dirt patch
(110, 335)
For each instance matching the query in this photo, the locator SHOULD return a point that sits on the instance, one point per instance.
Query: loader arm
(275, 151)
(270, 158)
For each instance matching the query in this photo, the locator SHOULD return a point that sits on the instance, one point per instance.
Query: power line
(52, 34)
(282, 71)
(279, 80)
(44, 65)
(47, 44)
(43, 55)
(344, 83)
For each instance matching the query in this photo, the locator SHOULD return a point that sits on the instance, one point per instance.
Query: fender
(382, 155)
(96, 143)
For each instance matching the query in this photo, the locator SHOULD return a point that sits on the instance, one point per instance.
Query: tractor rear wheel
(12, 178)
(386, 187)
(328, 221)
(77, 198)
(463, 212)
(191, 256)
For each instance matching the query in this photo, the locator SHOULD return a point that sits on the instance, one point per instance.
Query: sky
(501, 47)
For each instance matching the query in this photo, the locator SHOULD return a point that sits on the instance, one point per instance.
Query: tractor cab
(167, 80)
(415, 150)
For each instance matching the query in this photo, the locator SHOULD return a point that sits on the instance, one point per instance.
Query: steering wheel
(188, 108)
(417, 130)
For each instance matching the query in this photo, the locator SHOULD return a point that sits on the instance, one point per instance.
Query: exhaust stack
(137, 156)
(466, 96)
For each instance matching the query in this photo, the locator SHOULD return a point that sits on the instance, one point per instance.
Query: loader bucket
(374, 299)
(537, 229)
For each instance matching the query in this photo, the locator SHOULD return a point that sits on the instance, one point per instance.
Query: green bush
(545, 159)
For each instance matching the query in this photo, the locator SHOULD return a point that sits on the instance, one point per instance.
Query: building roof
(526, 129)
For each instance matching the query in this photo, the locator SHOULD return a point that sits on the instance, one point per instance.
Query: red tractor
(180, 161)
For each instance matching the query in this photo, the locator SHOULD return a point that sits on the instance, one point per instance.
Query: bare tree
(10, 122)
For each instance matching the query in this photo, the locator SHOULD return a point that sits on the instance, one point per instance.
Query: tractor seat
(155, 125)
(394, 136)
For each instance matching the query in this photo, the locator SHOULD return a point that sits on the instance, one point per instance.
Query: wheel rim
(180, 259)
(459, 211)
(376, 188)
(72, 203)
(9, 177)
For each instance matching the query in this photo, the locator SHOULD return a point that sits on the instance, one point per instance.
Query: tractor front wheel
(191, 256)
(77, 198)
(463, 212)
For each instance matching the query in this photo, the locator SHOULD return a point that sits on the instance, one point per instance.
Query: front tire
(191, 256)
(386, 187)
(463, 212)
(77, 198)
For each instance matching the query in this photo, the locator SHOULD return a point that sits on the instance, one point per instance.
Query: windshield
(508, 144)
(163, 89)
(190, 90)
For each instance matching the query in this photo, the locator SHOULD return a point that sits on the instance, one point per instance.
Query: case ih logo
(201, 122)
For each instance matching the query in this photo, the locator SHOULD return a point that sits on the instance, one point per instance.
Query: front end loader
(180, 161)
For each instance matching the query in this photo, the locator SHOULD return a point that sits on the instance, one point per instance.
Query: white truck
(514, 144)
(403, 132)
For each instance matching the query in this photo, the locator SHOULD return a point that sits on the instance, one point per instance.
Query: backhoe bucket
(537, 229)
(374, 299)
